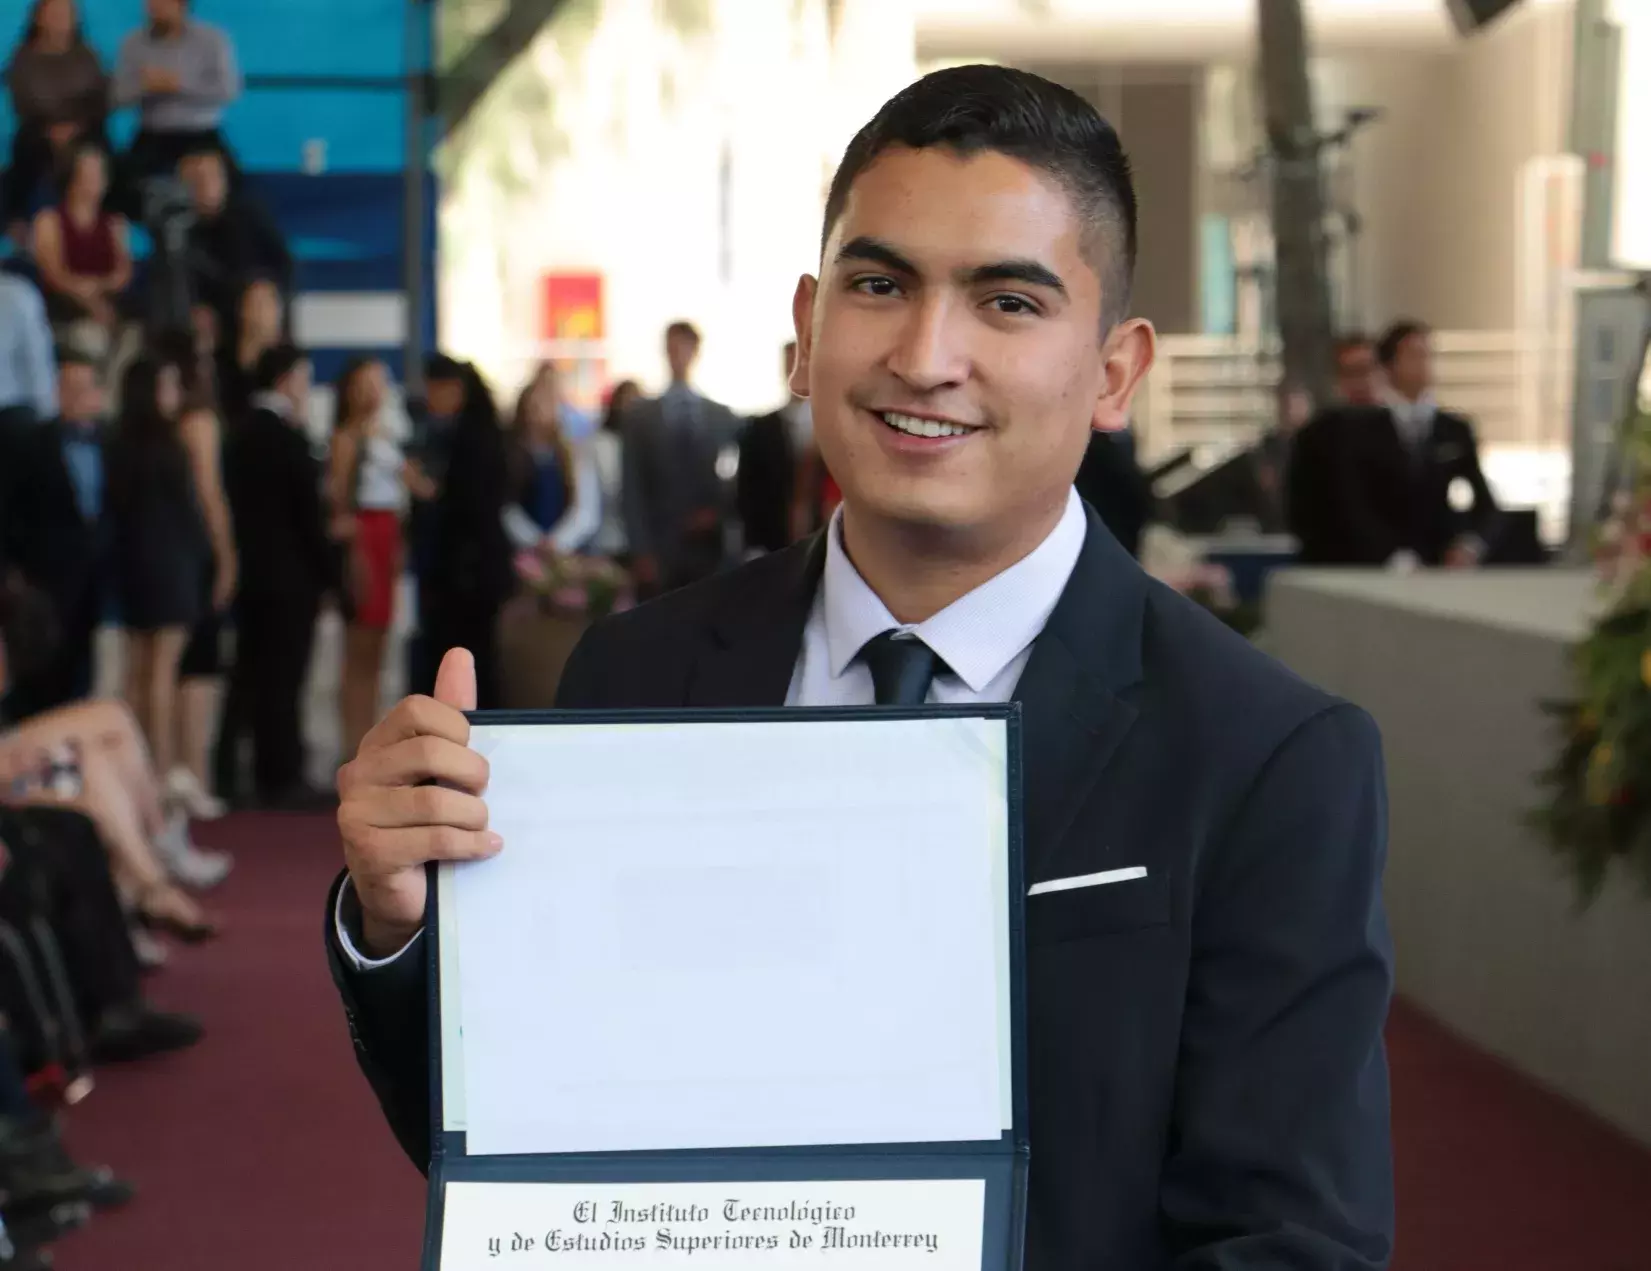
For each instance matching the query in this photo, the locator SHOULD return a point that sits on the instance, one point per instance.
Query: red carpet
(262, 1149)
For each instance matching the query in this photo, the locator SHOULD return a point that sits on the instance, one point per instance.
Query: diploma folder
(745, 988)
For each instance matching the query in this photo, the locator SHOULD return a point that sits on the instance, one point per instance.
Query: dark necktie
(902, 668)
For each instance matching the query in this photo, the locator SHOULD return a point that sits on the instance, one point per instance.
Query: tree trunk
(466, 82)
(1301, 282)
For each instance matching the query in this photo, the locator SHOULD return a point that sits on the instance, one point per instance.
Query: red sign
(572, 308)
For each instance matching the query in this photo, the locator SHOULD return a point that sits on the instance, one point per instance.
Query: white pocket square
(1089, 880)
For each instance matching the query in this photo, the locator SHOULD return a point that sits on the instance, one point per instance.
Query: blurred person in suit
(1110, 480)
(58, 534)
(674, 499)
(287, 565)
(1397, 482)
(771, 451)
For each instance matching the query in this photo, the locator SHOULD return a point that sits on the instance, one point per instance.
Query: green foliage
(1598, 809)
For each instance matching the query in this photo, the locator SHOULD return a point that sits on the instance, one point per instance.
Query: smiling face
(955, 348)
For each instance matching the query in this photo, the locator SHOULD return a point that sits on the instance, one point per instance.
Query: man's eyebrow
(1026, 271)
(877, 252)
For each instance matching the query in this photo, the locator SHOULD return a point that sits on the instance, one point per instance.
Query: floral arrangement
(584, 587)
(1599, 785)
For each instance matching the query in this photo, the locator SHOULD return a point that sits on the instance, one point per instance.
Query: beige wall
(1156, 110)
(1438, 179)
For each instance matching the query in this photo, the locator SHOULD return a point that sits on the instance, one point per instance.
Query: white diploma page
(722, 935)
(884, 1225)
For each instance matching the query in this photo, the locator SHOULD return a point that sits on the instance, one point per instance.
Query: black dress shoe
(139, 1031)
(36, 1172)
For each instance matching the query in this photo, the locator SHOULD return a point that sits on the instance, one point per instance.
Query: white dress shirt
(985, 639)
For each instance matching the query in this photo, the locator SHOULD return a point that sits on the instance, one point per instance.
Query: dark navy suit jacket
(1207, 1081)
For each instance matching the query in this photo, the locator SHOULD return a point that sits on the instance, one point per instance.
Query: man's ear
(802, 319)
(1130, 348)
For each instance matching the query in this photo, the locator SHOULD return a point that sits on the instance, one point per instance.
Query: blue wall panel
(359, 39)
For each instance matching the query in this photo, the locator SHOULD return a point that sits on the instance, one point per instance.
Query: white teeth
(922, 427)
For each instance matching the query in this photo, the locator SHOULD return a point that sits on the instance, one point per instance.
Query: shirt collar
(276, 403)
(977, 635)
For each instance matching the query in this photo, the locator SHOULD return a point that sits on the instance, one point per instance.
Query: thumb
(456, 680)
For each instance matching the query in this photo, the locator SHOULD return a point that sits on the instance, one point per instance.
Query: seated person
(57, 872)
(60, 96)
(555, 489)
(56, 536)
(232, 241)
(180, 74)
(82, 251)
(90, 758)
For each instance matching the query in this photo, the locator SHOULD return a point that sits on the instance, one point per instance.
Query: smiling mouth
(912, 426)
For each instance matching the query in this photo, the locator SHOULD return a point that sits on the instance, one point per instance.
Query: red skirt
(377, 567)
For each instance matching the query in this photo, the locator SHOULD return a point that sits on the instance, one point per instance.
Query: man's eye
(1013, 304)
(876, 286)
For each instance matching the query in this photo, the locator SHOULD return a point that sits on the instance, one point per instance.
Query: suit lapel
(1073, 709)
(749, 653)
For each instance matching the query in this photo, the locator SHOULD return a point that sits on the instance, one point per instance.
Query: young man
(286, 566)
(673, 495)
(1207, 1080)
(181, 74)
(57, 535)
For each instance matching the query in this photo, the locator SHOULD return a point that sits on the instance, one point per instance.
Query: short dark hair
(682, 330)
(1387, 348)
(1350, 340)
(971, 109)
(275, 364)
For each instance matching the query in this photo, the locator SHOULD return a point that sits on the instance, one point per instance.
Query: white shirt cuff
(359, 960)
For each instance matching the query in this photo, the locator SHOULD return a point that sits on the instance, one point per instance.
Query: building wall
(1439, 179)
(688, 169)
(1156, 110)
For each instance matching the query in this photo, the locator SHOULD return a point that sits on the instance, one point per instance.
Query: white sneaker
(152, 954)
(184, 790)
(187, 863)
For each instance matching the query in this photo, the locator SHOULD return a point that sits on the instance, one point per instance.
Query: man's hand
(393, 823)
(156, 79)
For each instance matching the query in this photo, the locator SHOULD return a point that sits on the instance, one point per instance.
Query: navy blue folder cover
(1002, 1164)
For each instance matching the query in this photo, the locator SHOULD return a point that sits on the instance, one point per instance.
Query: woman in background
(607, 448)
(367, 498)
(470, 572)
(260, 321)
(60, 96)
(201, 668)
(83, 252)
(555, 489)
(162, 547)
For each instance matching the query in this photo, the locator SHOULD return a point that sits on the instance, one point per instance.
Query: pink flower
(529, 568)
(570, 598)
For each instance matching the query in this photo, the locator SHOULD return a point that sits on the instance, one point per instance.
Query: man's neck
(917, 571)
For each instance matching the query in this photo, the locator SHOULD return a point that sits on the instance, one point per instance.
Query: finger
(417, 716)
(390, 850)
(412, 760)
(409, 806)
(456, 680)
